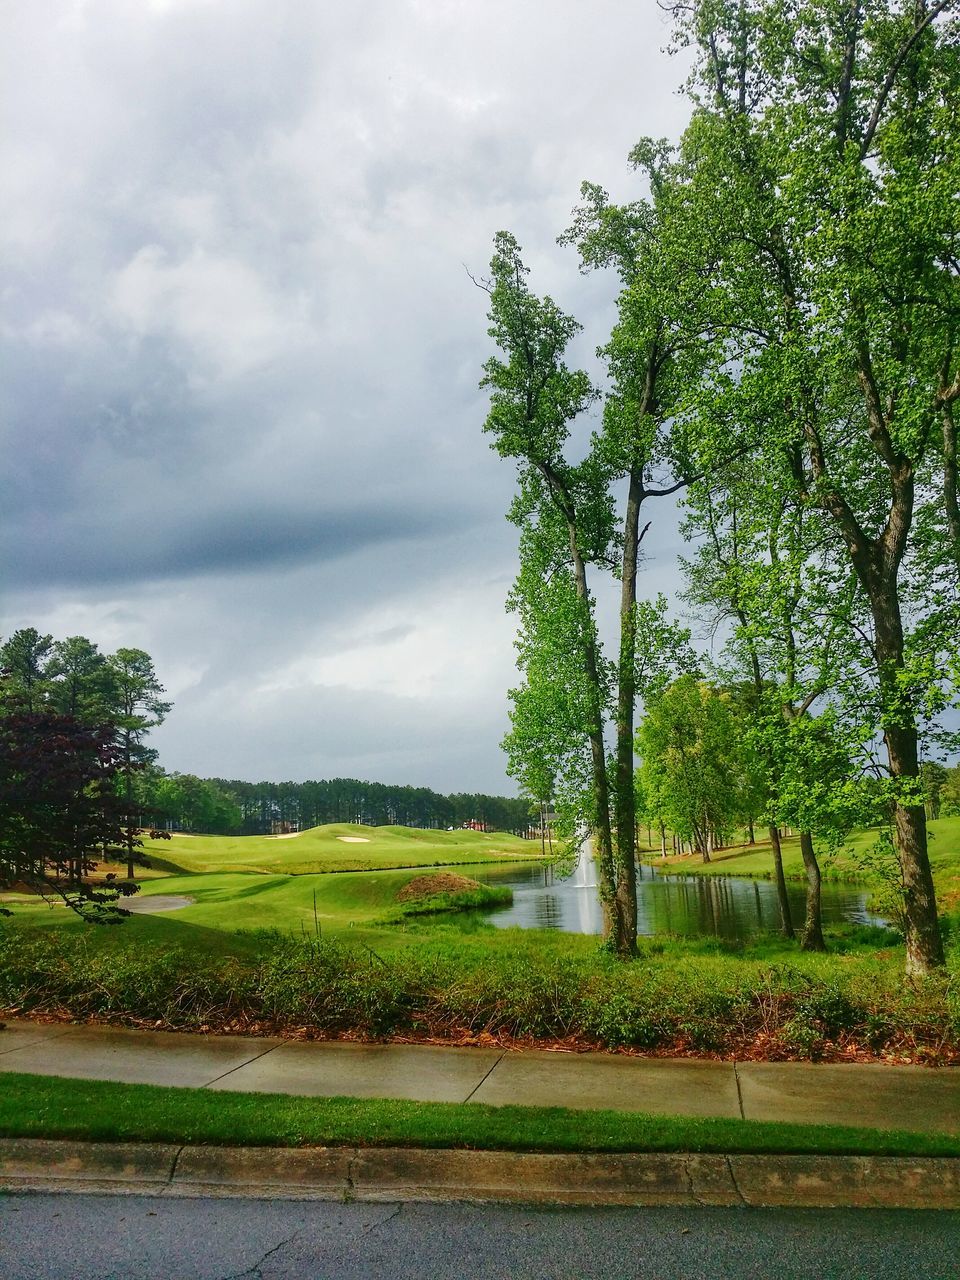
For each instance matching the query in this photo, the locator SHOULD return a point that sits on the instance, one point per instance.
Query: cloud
(241, 352)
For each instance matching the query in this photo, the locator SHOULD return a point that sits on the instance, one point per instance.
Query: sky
(240, 415)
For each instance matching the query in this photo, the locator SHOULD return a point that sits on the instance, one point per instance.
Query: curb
(409, 1174)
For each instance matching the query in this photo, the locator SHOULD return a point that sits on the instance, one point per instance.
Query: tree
(691, 747)
(764, 564)
(821, 184)
(934, 776)
(24, 664)
(135, 708)
(567, 511)
(79, 679)
(58, 807)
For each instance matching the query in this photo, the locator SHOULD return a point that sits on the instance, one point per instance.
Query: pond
(723, 906)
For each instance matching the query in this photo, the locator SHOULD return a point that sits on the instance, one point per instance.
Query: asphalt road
(139, 1238)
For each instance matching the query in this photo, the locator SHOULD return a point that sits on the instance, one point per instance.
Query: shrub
(677, 996)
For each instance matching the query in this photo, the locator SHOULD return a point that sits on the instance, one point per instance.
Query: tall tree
(79, 680)
(136, 708)
(563, 510)
(24, 664)
(566, 511)
(821, 178)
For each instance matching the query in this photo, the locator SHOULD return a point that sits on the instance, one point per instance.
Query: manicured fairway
(337, 847)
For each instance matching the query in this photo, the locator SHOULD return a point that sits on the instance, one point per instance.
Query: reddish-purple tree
(59, 808)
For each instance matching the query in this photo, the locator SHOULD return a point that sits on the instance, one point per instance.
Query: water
(722, 906)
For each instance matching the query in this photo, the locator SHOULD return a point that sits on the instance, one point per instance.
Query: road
(94, 1237)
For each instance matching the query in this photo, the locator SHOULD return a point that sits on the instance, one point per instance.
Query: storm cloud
(241, 421)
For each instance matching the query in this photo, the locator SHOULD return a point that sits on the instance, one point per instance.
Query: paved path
(915, 1098)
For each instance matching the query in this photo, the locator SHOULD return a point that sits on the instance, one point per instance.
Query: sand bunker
(155, 902)
(287, 835)
(354, 839)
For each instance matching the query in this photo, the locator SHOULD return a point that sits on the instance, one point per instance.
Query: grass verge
(98, 1111)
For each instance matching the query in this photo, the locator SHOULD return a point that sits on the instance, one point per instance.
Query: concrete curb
(410, 1174)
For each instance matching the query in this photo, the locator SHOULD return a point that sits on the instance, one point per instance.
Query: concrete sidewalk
(920, 1099)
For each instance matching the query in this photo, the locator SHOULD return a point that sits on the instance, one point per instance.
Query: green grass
(847, 864)
(93, 1110)
(332, 848)
(348, 904)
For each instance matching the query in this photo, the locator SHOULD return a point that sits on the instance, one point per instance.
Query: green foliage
(683, 997)
(817, 180)
(695, 767)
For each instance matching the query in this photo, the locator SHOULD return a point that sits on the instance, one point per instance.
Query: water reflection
(723, 906)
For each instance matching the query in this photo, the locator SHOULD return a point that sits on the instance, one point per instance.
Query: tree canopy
(785, 349)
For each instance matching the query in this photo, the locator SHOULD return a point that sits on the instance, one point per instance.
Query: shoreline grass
(100, 1111)
(847, 865)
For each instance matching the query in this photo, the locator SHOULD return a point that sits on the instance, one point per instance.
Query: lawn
(361, 907)
(93, 1110)
(336, 847)
(259, 950)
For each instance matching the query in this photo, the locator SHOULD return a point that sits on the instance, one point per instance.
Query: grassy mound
(443, 891)
(442, 882)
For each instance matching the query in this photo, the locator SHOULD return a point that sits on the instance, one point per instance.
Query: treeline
(221, 806)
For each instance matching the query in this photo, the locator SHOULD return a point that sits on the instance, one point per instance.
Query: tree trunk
(663, 840)
(951, 501)
(128, 801)
(813, 926)
(606, 878)
(625, 802)
(923, 942)
(783, 901)
(753, 838)
(924, 945)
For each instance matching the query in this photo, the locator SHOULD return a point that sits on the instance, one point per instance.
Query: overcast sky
(241, 421)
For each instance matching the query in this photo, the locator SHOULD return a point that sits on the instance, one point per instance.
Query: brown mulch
(421, 887)
(761, 1048)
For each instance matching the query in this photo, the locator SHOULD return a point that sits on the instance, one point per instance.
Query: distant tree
(933, 777)
(950, 794)
(691, 746)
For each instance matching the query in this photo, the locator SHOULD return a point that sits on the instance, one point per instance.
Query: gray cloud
(241, 422)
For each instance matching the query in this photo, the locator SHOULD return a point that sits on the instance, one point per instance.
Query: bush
(677, 997)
